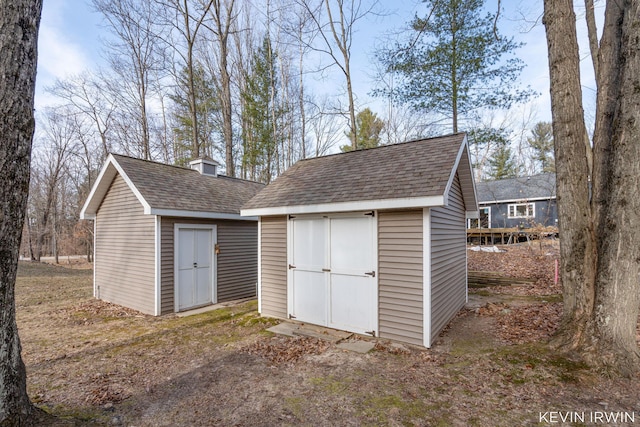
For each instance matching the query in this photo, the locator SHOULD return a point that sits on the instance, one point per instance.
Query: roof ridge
(186, 169)
(153, 162)
(360, 150)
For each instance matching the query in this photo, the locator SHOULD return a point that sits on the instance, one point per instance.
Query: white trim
(351, 206)
(158, 264)
(214, 263)
(466, 269)
(478, 217)
(376, 299)
(515, 210)
(454, 170)
(101, 186)
(259, 267)
(95, 285)
(426, 271)
(472, 214)
(289, 271)
(199, 214)
(525, 200)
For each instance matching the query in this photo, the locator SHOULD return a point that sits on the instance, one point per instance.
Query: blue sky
(70, 35)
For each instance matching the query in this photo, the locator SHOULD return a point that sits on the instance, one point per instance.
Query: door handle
(327, 270)
(371, 273)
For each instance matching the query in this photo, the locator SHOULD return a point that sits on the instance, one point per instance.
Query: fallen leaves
(286, 349)
(524, 324)
(522, 260)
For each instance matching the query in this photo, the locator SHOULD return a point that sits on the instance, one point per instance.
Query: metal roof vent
(205, 165)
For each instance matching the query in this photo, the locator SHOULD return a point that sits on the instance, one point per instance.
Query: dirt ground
(92, 363)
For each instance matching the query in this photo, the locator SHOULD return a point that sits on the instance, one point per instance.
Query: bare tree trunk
(599, 218)
(223, 22)
(616, 184)
(19, 21)
(577, 246)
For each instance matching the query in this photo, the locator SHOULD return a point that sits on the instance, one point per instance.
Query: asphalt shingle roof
(412, 169)
(531, 187)
(177, 188)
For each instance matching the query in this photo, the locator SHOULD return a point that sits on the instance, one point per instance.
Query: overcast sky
(70, 43)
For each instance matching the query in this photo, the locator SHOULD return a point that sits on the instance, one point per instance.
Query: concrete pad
(292, 329)
(361, 347)
(285, 328)
(326, 334)
(212, 307)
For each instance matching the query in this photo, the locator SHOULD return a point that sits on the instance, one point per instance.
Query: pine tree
(541, 141)
(455, 63)
(502, 165)
(261, 113)
(369, 126)
(207, 110)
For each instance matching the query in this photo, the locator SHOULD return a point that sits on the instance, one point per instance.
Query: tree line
(597, 183)
(233, 81)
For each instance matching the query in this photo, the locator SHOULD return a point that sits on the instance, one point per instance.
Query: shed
(169, 238)
(370, 241)
(517, 202)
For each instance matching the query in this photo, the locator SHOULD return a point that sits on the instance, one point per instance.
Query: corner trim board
(426, 271)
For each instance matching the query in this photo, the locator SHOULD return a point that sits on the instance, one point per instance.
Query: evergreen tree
(455, 63)
(369, 126)
(207, 111)
(261, 114)
(541, 141)
(502, 165)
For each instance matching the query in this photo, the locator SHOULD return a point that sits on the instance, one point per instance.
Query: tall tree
(260, 113)
(335, 30)
(224, 17)
(187, 20)
(455, 63)
(369, 126)
(598, 207)
(207, 107)
(134, 55)
(501, 163)
(541, 140)
(19, 24)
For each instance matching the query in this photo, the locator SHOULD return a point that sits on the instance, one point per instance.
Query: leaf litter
(95, 363)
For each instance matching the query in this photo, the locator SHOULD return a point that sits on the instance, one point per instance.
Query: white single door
(194, 267)
(352, 287)
(332, 279)
(308, 264)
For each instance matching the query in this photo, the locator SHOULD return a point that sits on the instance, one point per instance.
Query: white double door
(195, 266)
(332, 263)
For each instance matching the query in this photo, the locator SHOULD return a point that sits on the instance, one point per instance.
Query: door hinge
(291, 216)
(372, 213)
(327, 270)
(291, 316)
(371, 273)
(372, 333)
(291, 266)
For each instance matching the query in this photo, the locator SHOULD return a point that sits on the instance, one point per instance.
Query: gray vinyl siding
(546, 213)
(448, 260)
(125, 250)
(274, 266)
(237, 262)
(400, 282)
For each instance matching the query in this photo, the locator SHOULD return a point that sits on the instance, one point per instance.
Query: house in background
(168, 238)
(370, 241)
(517, 202)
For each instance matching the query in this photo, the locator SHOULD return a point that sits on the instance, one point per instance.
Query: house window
(522, 210)
(483, 222)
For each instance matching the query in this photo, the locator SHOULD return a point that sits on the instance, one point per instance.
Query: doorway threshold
(212, 307)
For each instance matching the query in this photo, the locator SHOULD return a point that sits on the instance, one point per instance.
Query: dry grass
(93, 363)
